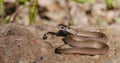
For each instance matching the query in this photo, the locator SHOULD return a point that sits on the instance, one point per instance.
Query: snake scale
(90, 43)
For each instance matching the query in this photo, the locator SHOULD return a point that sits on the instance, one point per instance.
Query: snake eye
(63, 28)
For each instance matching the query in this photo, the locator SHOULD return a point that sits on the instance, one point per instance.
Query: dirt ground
(25, 44)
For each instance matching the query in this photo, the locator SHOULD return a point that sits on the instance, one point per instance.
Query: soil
(25, 44)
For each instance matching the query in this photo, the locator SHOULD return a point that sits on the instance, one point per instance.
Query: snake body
(90, 43)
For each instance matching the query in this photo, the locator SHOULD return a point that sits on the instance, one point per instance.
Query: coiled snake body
(90, 43)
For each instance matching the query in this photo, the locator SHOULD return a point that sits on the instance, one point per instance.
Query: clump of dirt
(18, 45)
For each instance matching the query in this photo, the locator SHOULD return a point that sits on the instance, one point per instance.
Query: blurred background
(54, 12)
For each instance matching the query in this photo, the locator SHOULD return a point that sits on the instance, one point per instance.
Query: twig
(12, 18)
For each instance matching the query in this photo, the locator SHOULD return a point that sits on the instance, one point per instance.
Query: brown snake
(90, 43)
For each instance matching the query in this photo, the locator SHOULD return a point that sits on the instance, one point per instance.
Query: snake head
(66, 28)
(63, 27)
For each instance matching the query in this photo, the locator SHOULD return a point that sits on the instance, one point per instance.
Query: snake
(87, 42)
